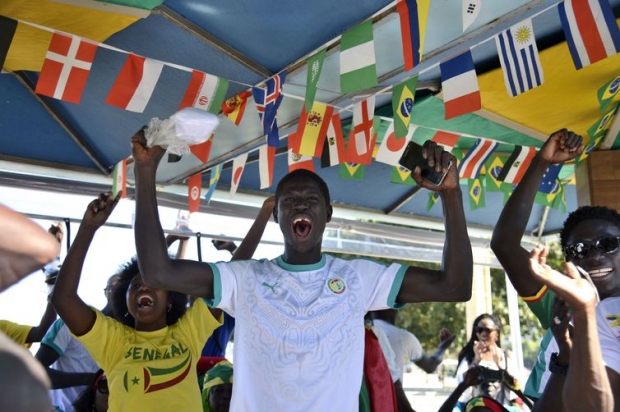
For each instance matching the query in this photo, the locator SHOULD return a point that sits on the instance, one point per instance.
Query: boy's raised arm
(156, 267)
(561, 146)
(452, 283)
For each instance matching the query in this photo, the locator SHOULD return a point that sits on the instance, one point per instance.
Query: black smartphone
(412, 157)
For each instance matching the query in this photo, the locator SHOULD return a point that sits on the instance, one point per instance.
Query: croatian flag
(267, 102)
(590, 29)
(476, 157)
(518, 55)
(461, 93)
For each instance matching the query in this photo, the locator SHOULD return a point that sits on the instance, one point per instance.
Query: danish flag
(66, 67)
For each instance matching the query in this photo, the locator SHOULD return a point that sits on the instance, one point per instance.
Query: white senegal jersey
(299, 332)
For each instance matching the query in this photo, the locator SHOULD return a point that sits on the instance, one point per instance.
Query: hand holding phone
(413, 157)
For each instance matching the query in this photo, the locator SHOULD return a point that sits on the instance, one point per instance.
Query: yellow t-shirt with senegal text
(156, 370)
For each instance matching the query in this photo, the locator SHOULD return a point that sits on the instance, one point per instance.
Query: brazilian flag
(433, 197)
(352, 171)
(608, 92)
(402, 176)
(476, 194)
(402, 105)
(555, 199)
(493, 168)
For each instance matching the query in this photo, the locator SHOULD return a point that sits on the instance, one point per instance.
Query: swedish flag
(402, 105)
(476, 194)
(216, 172)
(402, 176)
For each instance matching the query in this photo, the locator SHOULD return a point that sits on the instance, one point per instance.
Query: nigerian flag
(358, 69)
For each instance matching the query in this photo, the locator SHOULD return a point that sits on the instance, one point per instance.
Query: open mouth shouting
(302, 227)
(145, 301)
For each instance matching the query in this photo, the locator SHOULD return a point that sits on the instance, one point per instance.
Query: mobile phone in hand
(412, 157)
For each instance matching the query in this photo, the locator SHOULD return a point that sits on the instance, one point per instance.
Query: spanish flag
(312, 129)
(234, 107)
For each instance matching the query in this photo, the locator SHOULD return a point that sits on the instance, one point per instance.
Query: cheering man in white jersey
(299, 334)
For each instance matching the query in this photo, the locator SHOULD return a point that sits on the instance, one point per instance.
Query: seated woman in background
(150, 357)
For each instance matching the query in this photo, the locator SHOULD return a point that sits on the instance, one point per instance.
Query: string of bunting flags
(319, 134)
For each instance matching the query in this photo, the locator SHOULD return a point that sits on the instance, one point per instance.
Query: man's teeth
(599, 272)
(299, 219)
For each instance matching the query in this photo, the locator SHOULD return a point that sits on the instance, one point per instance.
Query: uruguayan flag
(518, 55)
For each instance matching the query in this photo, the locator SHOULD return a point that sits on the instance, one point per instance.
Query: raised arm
(24, 247)
(156, 267)
(76, 314)
(452, 283)
(561, 146)
(37, 332)
(429, 363)
(250, 242)
(587, 387)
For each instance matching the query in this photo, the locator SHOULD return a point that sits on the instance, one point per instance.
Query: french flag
(476, 157)
(461, 93)
(590, 29)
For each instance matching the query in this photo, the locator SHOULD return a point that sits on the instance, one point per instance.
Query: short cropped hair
(119, 301)
(585, 213)
(304, 174)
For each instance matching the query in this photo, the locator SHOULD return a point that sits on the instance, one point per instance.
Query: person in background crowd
(95, 397)
(217, 387)
(407, 348)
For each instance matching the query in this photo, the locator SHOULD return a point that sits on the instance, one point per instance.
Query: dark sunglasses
(580, 250)
(481, 329)
(101, 385)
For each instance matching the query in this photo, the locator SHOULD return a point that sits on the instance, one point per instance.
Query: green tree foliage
(426, 319)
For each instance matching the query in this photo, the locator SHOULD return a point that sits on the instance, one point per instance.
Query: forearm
(551, 398)
(37, 333)
(429, 363)
(64, 295)
(67, 379)
(451, 401)
(516, 213)
(587, 387)
(249, 244)
(457, 263)
(24, 247)
(150, 241)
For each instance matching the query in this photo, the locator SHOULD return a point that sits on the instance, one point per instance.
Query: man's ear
(275, 214)
(330, 210)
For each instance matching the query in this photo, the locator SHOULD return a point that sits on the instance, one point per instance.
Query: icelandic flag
(461, 93)
(518, 55)
(476, 157)
(267, 102)
(590, 29)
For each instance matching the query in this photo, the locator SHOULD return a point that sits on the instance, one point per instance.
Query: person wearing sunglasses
(484, 349)
(589, 240)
